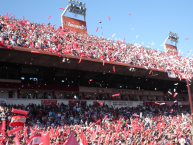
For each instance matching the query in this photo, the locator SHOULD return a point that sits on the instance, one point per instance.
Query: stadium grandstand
(61, 86)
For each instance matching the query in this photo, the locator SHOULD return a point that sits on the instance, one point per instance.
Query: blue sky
(151, 20)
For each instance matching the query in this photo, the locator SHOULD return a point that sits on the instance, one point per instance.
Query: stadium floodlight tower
(75, 7)
(173, 37)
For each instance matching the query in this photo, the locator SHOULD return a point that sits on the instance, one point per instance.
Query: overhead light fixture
(76, 5)
(70, 10)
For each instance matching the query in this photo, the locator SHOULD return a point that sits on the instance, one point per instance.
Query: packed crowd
(15, 32)
(103, 125)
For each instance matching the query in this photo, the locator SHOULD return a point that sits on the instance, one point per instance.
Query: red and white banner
(3, 101)
(74, 24)
(170, 49)
(18, 120)
(119, 91)
(48, 102)
(160, 103)
(185, 103)
(74, 102)
(34, 140)
(122, 103)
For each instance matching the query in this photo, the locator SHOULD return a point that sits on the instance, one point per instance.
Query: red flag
(83, 138)
(115, 95)
(157, 103)
(16, 139)
(23, 18)
(3, 125)
(72, 140)
(125, 133)
(109, 17)
(150, 72)
(32, 132)
(90, 80)
(130, 14)
(112, 140)
(135, 115)
(99, 102)
(186, 38)
(34, 140)
(180, 118)
(99, 140)
(160, 130)
(124, 40)
(35, 52)
(98, 121)
(175, 94)
(49, 17)
(59, 47)
(1, 42)
(97, 29)
(114, 68)
(45, 138)
(107, 137)
(80, 60)
(61, 8)
(68, 131)
(36, 128)
(52, 132)
(14, 130)
(105, 117)
(90, 126)
(25, 131)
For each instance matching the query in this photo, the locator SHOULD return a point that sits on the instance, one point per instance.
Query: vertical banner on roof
(170, 49)
(74, 24)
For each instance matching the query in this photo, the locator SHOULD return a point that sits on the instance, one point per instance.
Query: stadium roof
(47, 59)
(52, 70)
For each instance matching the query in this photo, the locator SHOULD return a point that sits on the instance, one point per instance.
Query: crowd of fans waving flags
(142, 125)
(42, 37)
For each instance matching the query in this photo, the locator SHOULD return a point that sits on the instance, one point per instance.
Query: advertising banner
(166, 103)
(3, 101)
(185, 103)
(171, 49)
(74, 24)
(120, 104)
(48, 102)
(119, 91)
(171, 74)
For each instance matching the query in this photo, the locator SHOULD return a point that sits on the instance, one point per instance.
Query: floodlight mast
(75, 7)
(172, 37)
